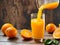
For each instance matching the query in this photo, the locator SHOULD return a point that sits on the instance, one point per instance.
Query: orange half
(56, 33)
(26, 33)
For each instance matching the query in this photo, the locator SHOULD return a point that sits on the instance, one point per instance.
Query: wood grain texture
(20, 41)
(17, 12)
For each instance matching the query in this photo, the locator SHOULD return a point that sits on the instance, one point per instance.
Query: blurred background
(18, 12)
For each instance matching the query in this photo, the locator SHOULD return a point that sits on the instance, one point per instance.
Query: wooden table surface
(19, 41)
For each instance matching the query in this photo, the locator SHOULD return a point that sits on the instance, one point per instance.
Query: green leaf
(55, 42)
(48, 42)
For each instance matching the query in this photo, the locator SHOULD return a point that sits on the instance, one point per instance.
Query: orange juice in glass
(37, 28)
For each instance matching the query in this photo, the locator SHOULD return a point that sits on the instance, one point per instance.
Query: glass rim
(47, 1)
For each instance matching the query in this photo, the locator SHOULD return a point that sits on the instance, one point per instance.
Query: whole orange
(50, 28)
(11, 32)
(5, 26)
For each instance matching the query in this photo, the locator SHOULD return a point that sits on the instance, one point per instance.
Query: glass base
(39, 40)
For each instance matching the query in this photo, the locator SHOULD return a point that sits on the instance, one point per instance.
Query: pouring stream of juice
(46, 6)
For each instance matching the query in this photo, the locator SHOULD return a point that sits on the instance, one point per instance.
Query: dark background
(18, 13)
(53, 16)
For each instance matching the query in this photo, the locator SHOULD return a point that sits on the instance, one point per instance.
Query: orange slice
(26, 34)
(56, 33)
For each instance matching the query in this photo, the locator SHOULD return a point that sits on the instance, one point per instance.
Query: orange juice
(51, 5)
(37, 28)
(37, 24)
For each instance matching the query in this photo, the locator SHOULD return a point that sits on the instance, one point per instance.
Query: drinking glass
(37, 27)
